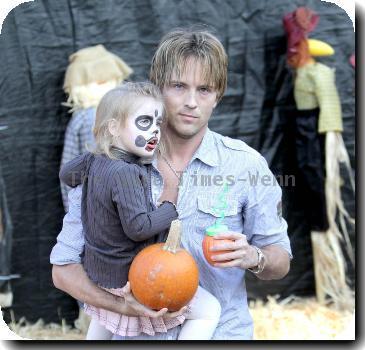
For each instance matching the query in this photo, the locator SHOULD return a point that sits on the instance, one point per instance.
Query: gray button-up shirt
(253, 208)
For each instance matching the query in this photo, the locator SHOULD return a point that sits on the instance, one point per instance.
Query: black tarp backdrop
(5, 242)
(258, 107)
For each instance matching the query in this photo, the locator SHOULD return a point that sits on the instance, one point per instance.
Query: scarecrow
(320, 150)
(92, 72)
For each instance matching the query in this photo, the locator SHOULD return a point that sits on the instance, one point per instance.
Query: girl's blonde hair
(177, 46)
(118, 104)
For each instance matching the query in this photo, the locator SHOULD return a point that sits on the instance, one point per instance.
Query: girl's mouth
(151, 144)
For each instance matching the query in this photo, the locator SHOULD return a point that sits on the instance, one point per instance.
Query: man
(190, 67)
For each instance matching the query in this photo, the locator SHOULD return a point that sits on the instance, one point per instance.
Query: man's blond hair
(177, 46)
(118, 104)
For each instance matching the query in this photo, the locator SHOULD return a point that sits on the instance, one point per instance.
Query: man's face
(189, 102)
(141, 132)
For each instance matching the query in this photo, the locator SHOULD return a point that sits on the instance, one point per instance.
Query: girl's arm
(129, 196)
(69, 275)
(73, 172)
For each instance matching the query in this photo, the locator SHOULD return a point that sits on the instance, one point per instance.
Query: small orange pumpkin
(163, 275)
(209, 242)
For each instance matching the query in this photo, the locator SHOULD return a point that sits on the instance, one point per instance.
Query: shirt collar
(207, 151)
(126, 156)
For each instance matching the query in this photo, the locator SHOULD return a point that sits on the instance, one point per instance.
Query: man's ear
(215, 104)
(113, 127)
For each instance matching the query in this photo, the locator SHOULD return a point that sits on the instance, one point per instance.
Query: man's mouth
(151, 144)
(190, 116)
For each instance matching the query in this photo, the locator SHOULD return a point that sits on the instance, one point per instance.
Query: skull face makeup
(141, 132)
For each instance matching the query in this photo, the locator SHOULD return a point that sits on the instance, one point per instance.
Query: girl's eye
(144, 122)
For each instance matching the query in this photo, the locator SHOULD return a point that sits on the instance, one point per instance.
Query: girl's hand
(134, 308)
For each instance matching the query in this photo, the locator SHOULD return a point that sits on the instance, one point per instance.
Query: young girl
(118, 214)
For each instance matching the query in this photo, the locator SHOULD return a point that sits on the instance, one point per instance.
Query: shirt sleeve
(70, 241)
(130, 199)
(73, 172)
(330, 115)
(263, 222)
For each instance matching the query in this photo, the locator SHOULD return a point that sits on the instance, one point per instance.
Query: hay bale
(299, 319)
(290, 319)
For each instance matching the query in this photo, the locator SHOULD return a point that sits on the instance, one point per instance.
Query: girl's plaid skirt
(129, 325)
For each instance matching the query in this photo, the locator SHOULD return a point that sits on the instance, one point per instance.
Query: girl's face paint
(140, 141)
(141, 132)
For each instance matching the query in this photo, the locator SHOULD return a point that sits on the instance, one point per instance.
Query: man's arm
(244, 255)
(263, 227)
(73, 280)
(277, 263)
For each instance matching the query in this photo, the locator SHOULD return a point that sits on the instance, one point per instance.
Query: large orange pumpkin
(163, 274)
(209, 242)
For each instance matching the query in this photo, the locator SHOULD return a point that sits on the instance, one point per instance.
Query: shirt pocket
(208, 214)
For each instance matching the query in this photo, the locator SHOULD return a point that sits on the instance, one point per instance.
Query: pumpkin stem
(173, 240)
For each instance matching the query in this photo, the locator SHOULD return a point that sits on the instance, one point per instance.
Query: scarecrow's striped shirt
(315, 87)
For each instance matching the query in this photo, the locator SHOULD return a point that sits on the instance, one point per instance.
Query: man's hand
(245, 256)
(134, 308)
(240, 254)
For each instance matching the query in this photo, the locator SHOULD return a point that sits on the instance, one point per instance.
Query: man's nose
(190, 100)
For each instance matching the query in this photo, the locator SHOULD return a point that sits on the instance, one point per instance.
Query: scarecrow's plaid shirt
(78, 135)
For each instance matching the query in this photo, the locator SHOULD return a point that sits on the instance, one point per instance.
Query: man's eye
(177, 86)
(205, 89)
